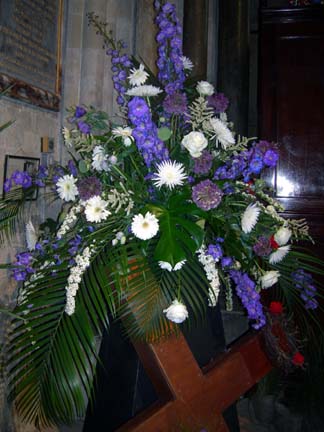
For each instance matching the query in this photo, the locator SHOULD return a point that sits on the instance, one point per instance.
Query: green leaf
(164, 133)
(83, 167)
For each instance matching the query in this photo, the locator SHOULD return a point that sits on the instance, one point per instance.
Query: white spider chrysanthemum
(144, 90)
(167, 266)
(187, 63)
(138, 76)
(95, 209)
(125, 133)
(221, 132)
(269, 278)
(282, 236)
(100, 159)
(31, 236)
(250, 218)
(279, 254)
(169, 173)
(66, 188)
(145, 227)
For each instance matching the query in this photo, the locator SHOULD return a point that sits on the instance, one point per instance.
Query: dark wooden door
(291, 79)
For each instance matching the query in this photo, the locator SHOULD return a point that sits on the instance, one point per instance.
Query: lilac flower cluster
(145, 132)
(203, 163)
(89, 187)
(169, 38)
(245, 289)
(24, 266)
(206, 195)
(304, 283)
(249, 162)
(219, 102)
(120, 67)
(20, 178)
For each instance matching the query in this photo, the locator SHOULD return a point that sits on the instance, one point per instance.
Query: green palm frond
(11, 213)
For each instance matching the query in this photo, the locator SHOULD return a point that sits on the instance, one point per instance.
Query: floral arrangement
(161, 212)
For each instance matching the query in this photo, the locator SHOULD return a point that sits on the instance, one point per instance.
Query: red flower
(276, 308)
(273, 243)
(298, 359)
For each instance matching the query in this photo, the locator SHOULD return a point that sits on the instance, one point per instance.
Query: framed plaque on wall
(30, 51)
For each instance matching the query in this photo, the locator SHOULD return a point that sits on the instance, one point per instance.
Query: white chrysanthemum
(169, 173)
(95, 209)
(221, 132)
(269, 278)
(176, 312)
(279, 254)
(205, 88)
(125, 133)
(66, 188)
(144, 91)
(138, 76)
(167, 266)
(145, 227)
(282, 236)
(195, 142)
(99, 159)
(250, 218)
(31, 236)
(187, 63)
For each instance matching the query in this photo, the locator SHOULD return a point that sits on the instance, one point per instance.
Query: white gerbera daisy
(187, 63)
(250, 218)
(31, 236)
(125, 133)
(138, 76)
(221, 132)
(95, 209)
(66, 188)
(176, 312)
(279, 254)
(169, 173)
(144, 90)
(99, 159)
(167, 266)
(282, 236)
(269, 278)
(145, 227)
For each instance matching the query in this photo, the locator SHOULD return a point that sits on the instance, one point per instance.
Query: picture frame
(20, 163)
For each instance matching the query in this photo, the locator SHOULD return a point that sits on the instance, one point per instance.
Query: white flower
(99, 159)
(31, 236)
(170, 174)
(269, 278)
(138, 76)
(113, 160)
(145, 227)
(187, 63)
(68, 141)
(250, 218)
(176, 312)
(282, 236)
(125, 133)
(205, 88)
(211, 271)
(167, 266)
(144, 90)
(66, 188)
(95, 209)
(279, 254)
(221, 132)
(194, 142)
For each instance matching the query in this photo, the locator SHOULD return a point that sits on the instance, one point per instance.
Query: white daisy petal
(221, 132)
(144, 90)
(269, 278)
(95, 209)
(125, 133)
(279, 254)
(145, 227)
(169, 173)
(187, 63)
(164, 265)
(250, 218)
(138, 76)
(66, 188)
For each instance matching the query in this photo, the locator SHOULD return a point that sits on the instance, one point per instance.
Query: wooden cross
(193, 399)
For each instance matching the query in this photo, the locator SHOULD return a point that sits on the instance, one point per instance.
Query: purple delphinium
(72, 168)
(219, 102)
(305, 284)
(175, 103)
(227, 262)
(145, 132)
(215, 250)
(206, 195)
(262, 246)
(79, 112)
(89, 187)
(250, 298)
(203, 163)
(120, 66)
(74, 245)
(84, 127)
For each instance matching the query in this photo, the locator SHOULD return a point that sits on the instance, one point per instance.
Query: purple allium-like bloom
(72, 168)
(89, 187)
(219, 102)
(206, 195)
(203, 163)
(304, 283)
(7, 185)
(84, 127)
(262, 247)
(79, 112)
(175, 103)
(215, 250)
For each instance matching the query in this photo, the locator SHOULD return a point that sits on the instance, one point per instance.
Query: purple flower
(175, 103)
(24, 258)
(219, 102)
(215, 250)
(204, 163)
(72, 168)
(89, 187)
(74, 245)
(84, 127)
(79, 112)
(271, 158)
(262, 247)
(226, 261)
(19, 275)
(206, 195)
(7, 185)
(304, 283)
(18, 177)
